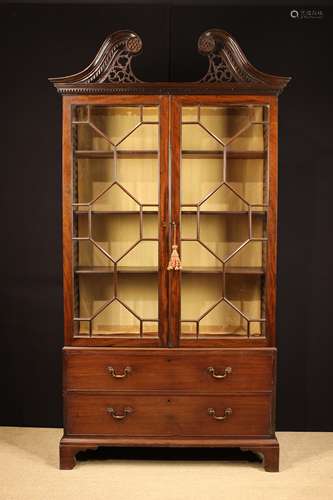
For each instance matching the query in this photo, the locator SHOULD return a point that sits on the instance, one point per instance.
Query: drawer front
(150, 415)
(170, 369)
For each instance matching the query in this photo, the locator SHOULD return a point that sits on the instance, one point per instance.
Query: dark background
(40, 41)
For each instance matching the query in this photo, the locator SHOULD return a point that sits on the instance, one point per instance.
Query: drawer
(191, 370)
(152, 415)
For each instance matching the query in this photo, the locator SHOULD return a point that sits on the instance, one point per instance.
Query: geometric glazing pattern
(104, 132)
(224, 134)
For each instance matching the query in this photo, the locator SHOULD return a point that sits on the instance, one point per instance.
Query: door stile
(164, 223)
(174, 276)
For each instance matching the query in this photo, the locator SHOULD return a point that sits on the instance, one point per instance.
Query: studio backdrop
(54, 40)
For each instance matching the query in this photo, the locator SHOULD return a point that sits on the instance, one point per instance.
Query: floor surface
(29, 471)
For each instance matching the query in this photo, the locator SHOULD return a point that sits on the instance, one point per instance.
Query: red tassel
(174, 262)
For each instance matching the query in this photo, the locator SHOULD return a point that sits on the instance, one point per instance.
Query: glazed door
(116, 220)
(224, 219)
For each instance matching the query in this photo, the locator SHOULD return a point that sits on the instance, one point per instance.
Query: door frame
(67, 226)
(270, 276)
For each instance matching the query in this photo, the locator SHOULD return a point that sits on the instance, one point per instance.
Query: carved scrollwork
(111, 71)
(228, 63)
(218, 70)
(112, 63)
(121, 70)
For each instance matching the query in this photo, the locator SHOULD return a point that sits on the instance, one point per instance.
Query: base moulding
(268, 448)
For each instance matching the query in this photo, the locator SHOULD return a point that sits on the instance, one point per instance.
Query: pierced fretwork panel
(116, 221)
(224, 203)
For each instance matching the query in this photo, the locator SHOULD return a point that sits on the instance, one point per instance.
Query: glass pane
(223, 220)
(199, 294)
(107, 231)
(224, 234)
(90, 139)
(116, 220)
(194, 254)
(87, 254)
(225, 122)
(252, 254)
(145, 254)
(115, 319)
(223, 198)
(195, 137)
(115, 199)
(94, 176)
(223, 320)
(140, 176)
(251, 139)
(202, 180)
(140, 293)
(114, 122)
(150, 225)
(248, 178)
(150, 328)
(245, 293)
(143, 138)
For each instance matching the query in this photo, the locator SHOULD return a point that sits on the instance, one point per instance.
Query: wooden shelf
(117, 331)
(223, 212)
(188, 331)
(229, 270)
(232, 155)
(110, 154)
(110, 270)
(153, 270)
(115, 212)
(184, 212)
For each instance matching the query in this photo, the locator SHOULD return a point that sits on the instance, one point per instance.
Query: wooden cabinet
(169, 237)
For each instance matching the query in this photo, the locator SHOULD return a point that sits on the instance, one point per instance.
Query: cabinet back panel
(223, 217)
(116, 202)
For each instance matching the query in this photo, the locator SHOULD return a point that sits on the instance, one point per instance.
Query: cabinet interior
(223, 218)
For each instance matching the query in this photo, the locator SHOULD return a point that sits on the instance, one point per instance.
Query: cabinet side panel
(67, 220)
(272, 224)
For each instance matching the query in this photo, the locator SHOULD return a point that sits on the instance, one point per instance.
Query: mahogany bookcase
(169, 254)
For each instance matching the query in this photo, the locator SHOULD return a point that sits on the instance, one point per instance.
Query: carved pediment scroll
(229, 71)
(112, 63)
(228, 63)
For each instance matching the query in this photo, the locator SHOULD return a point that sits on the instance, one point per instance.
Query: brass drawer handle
(227, 370)
(227, 413)
(127, 370)
(117, 416)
